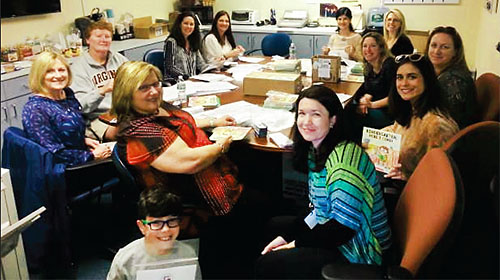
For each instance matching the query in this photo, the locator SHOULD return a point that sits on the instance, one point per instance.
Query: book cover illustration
(237, 132)
(206, 101)
(382, 146)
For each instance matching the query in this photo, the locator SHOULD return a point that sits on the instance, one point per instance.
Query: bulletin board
(416, 2)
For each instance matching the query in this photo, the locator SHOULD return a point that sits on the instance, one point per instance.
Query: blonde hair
(39, 69)
(401, 17)
(129, 77)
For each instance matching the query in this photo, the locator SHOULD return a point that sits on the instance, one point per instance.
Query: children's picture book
(383, 148)
(206, 101)
(237, 132)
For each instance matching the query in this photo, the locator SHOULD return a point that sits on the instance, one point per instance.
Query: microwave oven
(244, 17)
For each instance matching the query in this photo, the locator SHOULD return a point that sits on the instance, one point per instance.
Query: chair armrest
(89, 164)
(251, 51)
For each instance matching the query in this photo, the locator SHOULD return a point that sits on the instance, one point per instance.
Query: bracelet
(212, 122)
(221, 148)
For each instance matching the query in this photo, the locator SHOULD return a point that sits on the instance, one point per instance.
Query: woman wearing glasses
(219, 44)
(166, 144)
(421, 118)
(395, 33)
(345, 42)
(446, 52)
(52, 117)
(369, 104)
(159, 220)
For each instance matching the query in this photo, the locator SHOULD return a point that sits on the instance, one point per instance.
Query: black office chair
(193, 215)
(274, 44)
(155, 57)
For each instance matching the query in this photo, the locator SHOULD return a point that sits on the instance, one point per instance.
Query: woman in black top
(369, 104)
(395, 33)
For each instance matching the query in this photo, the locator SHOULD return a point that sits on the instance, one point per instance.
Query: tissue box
(144, 28)
(325, 68)
(259, 83)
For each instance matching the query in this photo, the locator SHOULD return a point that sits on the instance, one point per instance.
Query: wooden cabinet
(136, 54)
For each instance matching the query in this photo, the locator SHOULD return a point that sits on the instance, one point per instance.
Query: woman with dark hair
(369, 103)
(219, 44)
(182, 49)
(416, 103)
(345, 42)
(347, 219)
(446, 52)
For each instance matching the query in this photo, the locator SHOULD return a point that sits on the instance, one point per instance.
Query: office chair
(274, 44)
(476, 152)
(193, 216)
(426, 219)
(155, 57)
(39, 180)
(488, 97)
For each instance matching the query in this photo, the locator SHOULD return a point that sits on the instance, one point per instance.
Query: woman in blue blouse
(52, 116)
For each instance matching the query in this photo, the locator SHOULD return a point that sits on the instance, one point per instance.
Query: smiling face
(392, 23)
(159, 241)
(313, 121)
(56, 77)
(409, 82)
(223, 24)
(371, 50)
(343, 22)
(100, 40)
(187, 26)
(147, 98)
(441, 50)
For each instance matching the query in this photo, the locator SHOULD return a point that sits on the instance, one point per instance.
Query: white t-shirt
(134, 257)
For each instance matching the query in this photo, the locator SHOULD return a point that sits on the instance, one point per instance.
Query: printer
(293, 18)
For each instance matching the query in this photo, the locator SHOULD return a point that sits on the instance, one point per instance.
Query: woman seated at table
(345, 42)
(347, 219)
(52, 116)
(219, 44)
(369, 104)
(182, 49)
(421, 118)
(395, 33)
(166, 145)
(446, 52)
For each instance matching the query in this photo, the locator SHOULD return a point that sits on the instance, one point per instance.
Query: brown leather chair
(488, 97)
(425, 222)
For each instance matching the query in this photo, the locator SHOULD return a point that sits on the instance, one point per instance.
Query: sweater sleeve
(212, 50)
(200, 62)
(171, 70)
(36, 122)
(85, 91)
(356, 43)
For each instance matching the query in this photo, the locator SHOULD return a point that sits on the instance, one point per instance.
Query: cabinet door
(257, 41)
(15, 109)
(137, 54)
(243, 39)
(15, 87)
(304, 45)
(319, 42)
(4, 113)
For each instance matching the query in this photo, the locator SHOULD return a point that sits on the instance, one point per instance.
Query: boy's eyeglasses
(411, 57)
(159, 224)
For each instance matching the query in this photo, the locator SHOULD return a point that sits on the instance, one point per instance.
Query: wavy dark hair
(344, 11)
(176, 32)
(228, 33)
(458, 59)
(328, 98)
(429, 100)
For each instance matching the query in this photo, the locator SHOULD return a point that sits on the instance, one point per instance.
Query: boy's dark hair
(158, 202)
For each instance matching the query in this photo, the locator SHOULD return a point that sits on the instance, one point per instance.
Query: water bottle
(292, 51)
(181, 91)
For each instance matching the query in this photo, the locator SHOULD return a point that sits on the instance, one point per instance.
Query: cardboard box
(325, 68)
(259, 83)
(144, 28)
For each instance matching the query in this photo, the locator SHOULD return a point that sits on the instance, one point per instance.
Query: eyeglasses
(159, 224)
(414, 57)
(146, 88)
